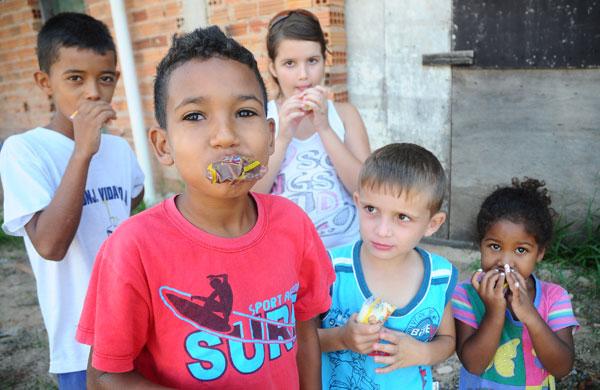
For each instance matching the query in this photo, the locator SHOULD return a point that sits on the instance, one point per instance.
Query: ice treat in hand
(375, 307)
(234, 169)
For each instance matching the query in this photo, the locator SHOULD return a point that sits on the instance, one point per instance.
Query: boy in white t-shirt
(66, 185)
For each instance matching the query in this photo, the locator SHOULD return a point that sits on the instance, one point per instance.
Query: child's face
(214, 109)
(299, 65)
(79, 74)
(509, 243)
(392, 226)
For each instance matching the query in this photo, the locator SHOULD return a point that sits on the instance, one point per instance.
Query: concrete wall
(399, 99)
(499, 124)
(537, 123)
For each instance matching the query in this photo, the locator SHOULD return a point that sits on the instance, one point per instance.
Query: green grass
(7, 241)
(577, 243)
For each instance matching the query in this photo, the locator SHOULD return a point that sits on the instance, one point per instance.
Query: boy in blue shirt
(400, 192)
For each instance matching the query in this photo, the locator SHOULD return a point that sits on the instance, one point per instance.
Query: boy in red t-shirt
(214, 286)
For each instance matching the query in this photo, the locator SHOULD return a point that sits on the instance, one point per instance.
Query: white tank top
(308, 178)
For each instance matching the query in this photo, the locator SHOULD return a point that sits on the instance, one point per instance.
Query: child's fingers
(475, 279)
(390, 336)
(489, 281)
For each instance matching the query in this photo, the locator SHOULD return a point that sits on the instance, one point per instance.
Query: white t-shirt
(32, 165)
(308, 178)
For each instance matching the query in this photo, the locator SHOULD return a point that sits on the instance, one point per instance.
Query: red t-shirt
(186, 308)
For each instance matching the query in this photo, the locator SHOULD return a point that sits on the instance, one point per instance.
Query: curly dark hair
(202, 44)
(525, 202)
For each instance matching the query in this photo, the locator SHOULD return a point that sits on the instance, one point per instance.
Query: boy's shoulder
(280, 209)
(438, 263)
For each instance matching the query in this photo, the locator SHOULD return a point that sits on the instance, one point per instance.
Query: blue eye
(193, 116)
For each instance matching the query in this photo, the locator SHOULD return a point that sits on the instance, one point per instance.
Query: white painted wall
(399, 99)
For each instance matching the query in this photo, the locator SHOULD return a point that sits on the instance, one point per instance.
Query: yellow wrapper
(375, 307)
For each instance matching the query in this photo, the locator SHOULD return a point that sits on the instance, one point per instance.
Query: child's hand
(290, 115)
(401, 350)
(518, 298)
(88, 119)
(316, 99)
(491, 290)
(360, 337)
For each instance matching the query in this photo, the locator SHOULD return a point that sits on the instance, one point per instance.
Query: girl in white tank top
(319, 145)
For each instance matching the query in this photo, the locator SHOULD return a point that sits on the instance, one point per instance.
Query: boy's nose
(383, 229)
(92, 92)
(224, 135)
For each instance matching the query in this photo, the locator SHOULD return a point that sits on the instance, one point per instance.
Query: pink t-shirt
(515, 364)
(187, 308)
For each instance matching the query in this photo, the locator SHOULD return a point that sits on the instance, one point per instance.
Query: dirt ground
(24, 345)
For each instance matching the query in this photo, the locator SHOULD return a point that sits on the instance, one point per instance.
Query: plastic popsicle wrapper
(234, 169)
(375, 307)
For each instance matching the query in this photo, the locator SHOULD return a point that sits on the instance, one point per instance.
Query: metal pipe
(132, 94)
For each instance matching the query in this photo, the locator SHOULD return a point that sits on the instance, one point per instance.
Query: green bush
(577, 243)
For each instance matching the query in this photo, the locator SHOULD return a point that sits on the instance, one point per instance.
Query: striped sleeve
(462, 308)
(560, 312)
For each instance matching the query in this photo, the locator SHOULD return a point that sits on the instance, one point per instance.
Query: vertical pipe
(132, 93)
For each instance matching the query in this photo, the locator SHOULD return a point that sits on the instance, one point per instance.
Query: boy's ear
(435, 222)
(355, 198)
(160, 145)
(42, 80)
(271, 128)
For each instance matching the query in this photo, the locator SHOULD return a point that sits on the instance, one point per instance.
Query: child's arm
(347, 156)
(353, 336)
(554, 349)
(476, 347)
(100, 380)
(404, 350)
(290, 114)
(308, 358)
(50, 238)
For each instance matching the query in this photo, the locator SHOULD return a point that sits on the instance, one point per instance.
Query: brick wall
(22, 104)
(247, 20)
(152, 23)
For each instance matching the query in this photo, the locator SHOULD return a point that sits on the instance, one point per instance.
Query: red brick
(139, 16)
(270, 7)
(159, 41)
(237, 29)
(245, 10)
(292, 4)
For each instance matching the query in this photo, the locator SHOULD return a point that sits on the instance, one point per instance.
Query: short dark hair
(201, 44)
(404, 168)
(525, 202)
(298, 24)
(71, 29)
